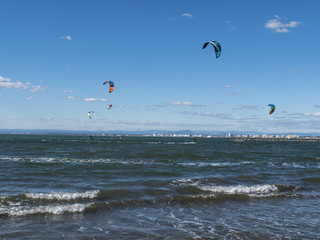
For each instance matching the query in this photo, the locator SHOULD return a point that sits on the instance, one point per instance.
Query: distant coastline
(237, 135)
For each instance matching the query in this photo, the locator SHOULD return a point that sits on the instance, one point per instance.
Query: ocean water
(135, 187)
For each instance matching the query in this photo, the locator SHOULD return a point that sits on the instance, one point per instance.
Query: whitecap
(256, 189)
(51, 209)
(63, 196)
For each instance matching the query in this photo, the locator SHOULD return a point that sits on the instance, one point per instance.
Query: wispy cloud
(46, 119)
(154, 107)
(66, 37)
(72, 98)
(6, 83)
(188, 15)
(247, 107)
(68, 91)
(187, 104)
(206, 114)
(228, 86)
(277, 26)
(317, 114)
(95, 100)
(36, 88)
(228, 23)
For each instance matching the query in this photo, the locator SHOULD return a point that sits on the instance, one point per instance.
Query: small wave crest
(194, 193)
(197, 187)
(63, 196)
(56, 160)
(46, 203)
(215, 164)
(50, 209)
(256, 189)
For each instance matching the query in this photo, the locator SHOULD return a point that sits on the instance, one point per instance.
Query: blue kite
(273, 108)
(216, 46)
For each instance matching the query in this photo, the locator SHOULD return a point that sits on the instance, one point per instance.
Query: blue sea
(139, 187)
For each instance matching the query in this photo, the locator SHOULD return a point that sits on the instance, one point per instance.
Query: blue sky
(55, 55)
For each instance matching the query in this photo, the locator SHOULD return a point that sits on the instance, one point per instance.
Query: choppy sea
(136, 187)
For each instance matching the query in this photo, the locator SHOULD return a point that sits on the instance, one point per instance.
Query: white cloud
(206, 114)
(67, 37)
(29, 98)
(317, 114)
(72, 98)
(248, 107)
(6, 83)
(188, 104)
(277, 26)
(36, 88)
(95, 100)
(46, 119)
(188, 15)
(155, 107)
(228, 23)
(228, 86)
(68, 91)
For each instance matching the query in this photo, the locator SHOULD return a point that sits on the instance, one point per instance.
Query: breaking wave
(50, 209)
(63, 196)
(257, 189)
(46, 203)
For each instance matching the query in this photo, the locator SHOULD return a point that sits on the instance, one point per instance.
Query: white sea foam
(63, 196)
(187, 143)
(153, 142)
(187, 181)
(7, 158)
(294, 165)
(256, 189)
(51, 209)
(215, 164)
(78, 160)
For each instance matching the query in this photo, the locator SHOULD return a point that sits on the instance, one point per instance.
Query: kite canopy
(89, 114)
(109, 106)
(111, 84)
(216, 46)
(273, 108)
